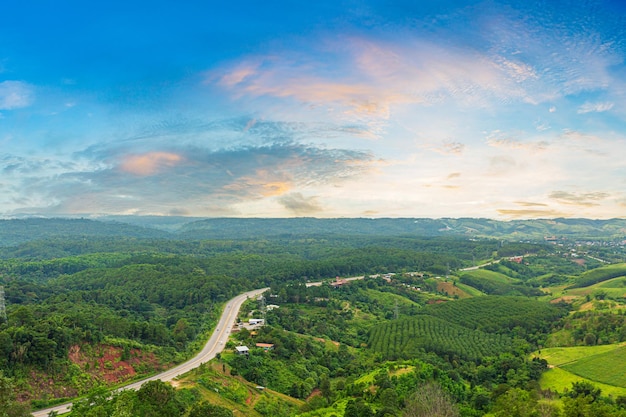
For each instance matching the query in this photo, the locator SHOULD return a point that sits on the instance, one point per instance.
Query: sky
(342, 108)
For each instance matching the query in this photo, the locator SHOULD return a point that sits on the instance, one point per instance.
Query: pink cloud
(361, 77)
(149, 163)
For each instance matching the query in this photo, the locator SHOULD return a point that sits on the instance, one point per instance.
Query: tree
(584, 389)
(358, 408)
(325, 387)
(515, 403)
(8, 406)
(157, 398)
(205, 409)
(430, 401)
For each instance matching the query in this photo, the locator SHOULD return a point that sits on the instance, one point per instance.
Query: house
(338, 282)
(271, 307)
(265, 346)
(242, 350)
(254, 322)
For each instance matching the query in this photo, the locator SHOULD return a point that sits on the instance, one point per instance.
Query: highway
(214, 345)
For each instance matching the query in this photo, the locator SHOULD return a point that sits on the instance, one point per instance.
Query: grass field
(619, 282)
(451, 289)
(560, 380)
(368, 378)
(491, 276)
(562, 355)
(390, 299)
(474, 292)
(608, 367)
(601, 274)
(603, 366)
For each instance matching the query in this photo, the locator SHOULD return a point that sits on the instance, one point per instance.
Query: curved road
(213, 346)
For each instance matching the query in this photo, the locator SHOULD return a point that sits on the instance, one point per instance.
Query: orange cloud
(149, 163)
(238, 75)
(531, 213)
(264, 184)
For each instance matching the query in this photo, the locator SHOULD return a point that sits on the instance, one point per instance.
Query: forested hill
(471, 227)
(13, 232)
(16, 231)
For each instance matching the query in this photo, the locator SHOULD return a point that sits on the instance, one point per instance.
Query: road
(214, 345)
(319, 283)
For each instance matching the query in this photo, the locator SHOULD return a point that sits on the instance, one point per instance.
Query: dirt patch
(565, 299)
(43, 386)
(402, 371)
(319, 339)
(113, 364)
(315, 393)
(436, 301)
(450, 289)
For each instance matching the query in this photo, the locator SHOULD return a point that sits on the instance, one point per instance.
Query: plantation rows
(404, 338)
(495, 314)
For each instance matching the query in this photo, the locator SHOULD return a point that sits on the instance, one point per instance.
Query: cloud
(579, 199)
(448, 148)
(483, 56)
(196, 180)
(149, 163)
(530, 204)
(526, 214)
(300, 205)
(595, 107)
(368, 77)
(15, 95)
(498, 139)
(453, 175)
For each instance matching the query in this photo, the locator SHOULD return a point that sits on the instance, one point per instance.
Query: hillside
(89, 307)
(21, 230)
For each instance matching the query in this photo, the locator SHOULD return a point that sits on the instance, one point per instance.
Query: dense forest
(91, 305)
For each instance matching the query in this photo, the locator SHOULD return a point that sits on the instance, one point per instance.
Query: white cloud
(595, 107)
(15, 94)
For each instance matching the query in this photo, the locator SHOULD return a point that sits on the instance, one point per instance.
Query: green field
(601, 274)
(612, 288)
(485, 274)
(619, 282)
(560, 380)
(604, 366)
(563, 355)
(608, 367)
(474, 292)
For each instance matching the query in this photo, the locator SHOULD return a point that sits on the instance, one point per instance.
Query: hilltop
(15, 231)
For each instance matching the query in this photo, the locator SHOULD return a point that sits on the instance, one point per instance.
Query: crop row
(404, 338)
(497, 314)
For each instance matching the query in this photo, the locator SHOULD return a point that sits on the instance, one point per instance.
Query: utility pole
(3, 307)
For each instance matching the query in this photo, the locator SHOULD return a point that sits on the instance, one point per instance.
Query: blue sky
(330, 109)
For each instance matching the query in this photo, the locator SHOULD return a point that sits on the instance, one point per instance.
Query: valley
(532, 323)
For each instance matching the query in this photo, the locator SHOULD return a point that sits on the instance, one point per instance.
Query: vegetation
(495, 283)
(406, 338)
(599, 275)
(91, 305)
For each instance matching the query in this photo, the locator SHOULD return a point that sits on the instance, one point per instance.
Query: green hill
(601, 274)
(491, 282)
